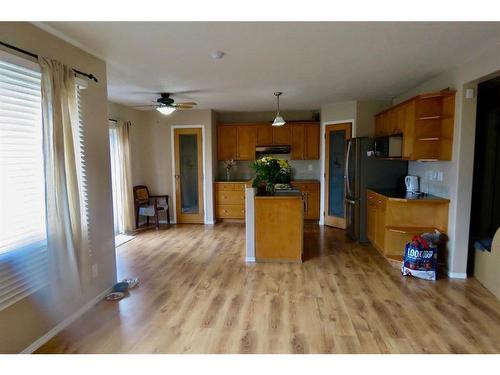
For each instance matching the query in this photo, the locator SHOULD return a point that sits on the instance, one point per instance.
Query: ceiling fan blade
(183, 106)
(144, 106)
(186, 103)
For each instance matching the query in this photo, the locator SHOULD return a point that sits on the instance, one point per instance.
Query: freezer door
(352, 218)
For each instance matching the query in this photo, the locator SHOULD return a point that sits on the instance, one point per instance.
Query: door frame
(204, 180)
(352, 121)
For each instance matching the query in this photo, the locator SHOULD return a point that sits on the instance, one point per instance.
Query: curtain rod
(90, 76)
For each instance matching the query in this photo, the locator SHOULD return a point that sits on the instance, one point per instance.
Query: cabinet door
(312, 206)
(226, 142)
(297, 144)
(378, 125)
(370, 221)
(246, 142)
(281, 135)
(400, 119)
(409, 130)
(380, 226)
(264, 135)
(311, 144)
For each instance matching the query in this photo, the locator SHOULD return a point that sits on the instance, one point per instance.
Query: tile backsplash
(301, 169)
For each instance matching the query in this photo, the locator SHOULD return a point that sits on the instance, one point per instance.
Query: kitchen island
(275, 226)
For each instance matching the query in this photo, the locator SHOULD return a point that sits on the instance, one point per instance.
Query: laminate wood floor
(197, 295)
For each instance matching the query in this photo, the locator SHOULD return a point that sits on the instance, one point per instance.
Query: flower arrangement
(229, 164)
(270, 170)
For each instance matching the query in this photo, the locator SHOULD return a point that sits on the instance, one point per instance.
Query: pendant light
(279, 120)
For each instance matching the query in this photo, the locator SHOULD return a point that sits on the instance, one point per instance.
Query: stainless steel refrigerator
(361, 173)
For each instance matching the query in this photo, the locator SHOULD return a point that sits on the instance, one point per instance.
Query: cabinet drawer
(230, 197)
(224, 186)
(380, 201)
(233, 211)
(240, 187)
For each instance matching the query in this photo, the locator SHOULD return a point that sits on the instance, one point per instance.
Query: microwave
(389, 147)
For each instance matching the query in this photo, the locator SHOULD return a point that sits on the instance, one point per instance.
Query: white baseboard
(66, 322)
(250, 259)
(456, 275)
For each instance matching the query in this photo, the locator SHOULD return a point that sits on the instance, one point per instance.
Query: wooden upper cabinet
(298, 141)
(282, 135)
(426, 123)
(238, 141)
(264, 135)
(226, 142)
(246, 140)
(311, 141)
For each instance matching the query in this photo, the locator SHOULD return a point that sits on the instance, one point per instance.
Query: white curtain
(66, 238)
(122, 176)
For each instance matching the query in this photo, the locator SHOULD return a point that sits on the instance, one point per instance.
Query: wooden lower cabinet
(392, 222)
(310, 193)
(230, 200)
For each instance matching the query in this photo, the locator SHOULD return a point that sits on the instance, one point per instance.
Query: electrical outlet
(95, 270)
(440, 176)
(310, 167)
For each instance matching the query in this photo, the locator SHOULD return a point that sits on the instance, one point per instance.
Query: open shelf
(429, 139)
(436, 117)
(410, 230)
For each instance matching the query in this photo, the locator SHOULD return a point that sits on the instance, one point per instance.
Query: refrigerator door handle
(346, 171)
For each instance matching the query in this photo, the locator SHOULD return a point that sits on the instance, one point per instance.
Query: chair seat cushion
(150, 210)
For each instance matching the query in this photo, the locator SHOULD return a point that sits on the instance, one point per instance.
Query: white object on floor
(120, 239)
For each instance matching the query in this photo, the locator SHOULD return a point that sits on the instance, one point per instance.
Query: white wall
(365, 116)
(457, 173)
(29, 319)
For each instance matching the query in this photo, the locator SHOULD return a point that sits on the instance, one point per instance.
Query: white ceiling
(312, 63)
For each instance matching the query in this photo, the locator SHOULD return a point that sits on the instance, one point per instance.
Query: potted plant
(270, 171)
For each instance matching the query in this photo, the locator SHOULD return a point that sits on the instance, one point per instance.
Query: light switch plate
(310, 167)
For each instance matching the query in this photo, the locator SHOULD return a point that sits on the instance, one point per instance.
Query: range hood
(272, 150)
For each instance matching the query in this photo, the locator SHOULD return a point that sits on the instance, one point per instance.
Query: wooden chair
(149, 205)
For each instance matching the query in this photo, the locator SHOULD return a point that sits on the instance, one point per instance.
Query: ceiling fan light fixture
(165, 110)
(278, 120)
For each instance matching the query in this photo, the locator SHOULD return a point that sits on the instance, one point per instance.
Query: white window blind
(23, 251)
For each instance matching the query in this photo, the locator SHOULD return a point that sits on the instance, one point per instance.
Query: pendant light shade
(278, 120)
(165, 110)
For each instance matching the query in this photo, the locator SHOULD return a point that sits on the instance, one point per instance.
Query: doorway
(337, 137)
(485, 208)
(188, 175)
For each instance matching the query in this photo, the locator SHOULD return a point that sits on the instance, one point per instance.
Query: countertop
(281, 194)
(233, 181)
(397, 195)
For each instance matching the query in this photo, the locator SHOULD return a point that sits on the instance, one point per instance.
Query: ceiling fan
(166, 105)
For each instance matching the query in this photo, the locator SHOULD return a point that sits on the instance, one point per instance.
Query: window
(23, 251)
(23, 235)
(118, 211)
